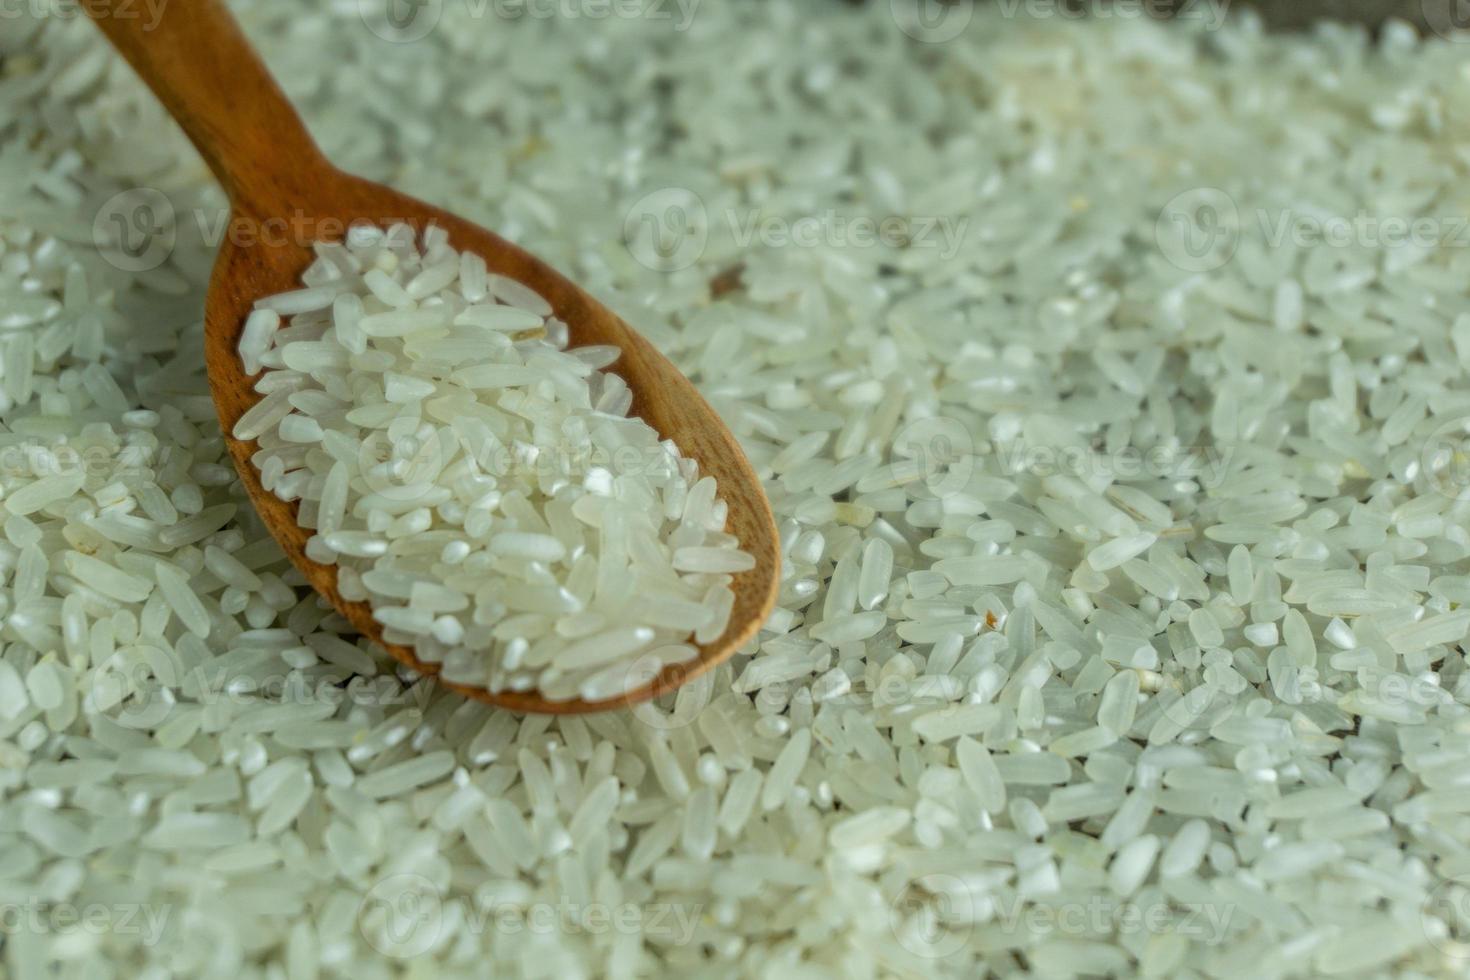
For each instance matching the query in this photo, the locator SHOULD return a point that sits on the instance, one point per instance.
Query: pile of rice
(1106, 378)
(482, 488)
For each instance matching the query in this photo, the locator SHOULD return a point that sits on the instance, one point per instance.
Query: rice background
(1139, 347)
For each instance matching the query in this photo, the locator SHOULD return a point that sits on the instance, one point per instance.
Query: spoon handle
(195, 58)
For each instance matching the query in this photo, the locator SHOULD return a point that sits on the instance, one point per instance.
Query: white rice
(1192, 703)
(422, 421)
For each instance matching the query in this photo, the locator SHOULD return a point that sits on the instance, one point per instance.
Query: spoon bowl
(285, 196)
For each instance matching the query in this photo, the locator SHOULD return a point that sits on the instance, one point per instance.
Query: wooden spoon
(284, 195)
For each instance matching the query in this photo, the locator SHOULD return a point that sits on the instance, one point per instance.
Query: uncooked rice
(484, 490)
(1124, 535)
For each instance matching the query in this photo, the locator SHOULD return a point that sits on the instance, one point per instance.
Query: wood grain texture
(284, 195)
